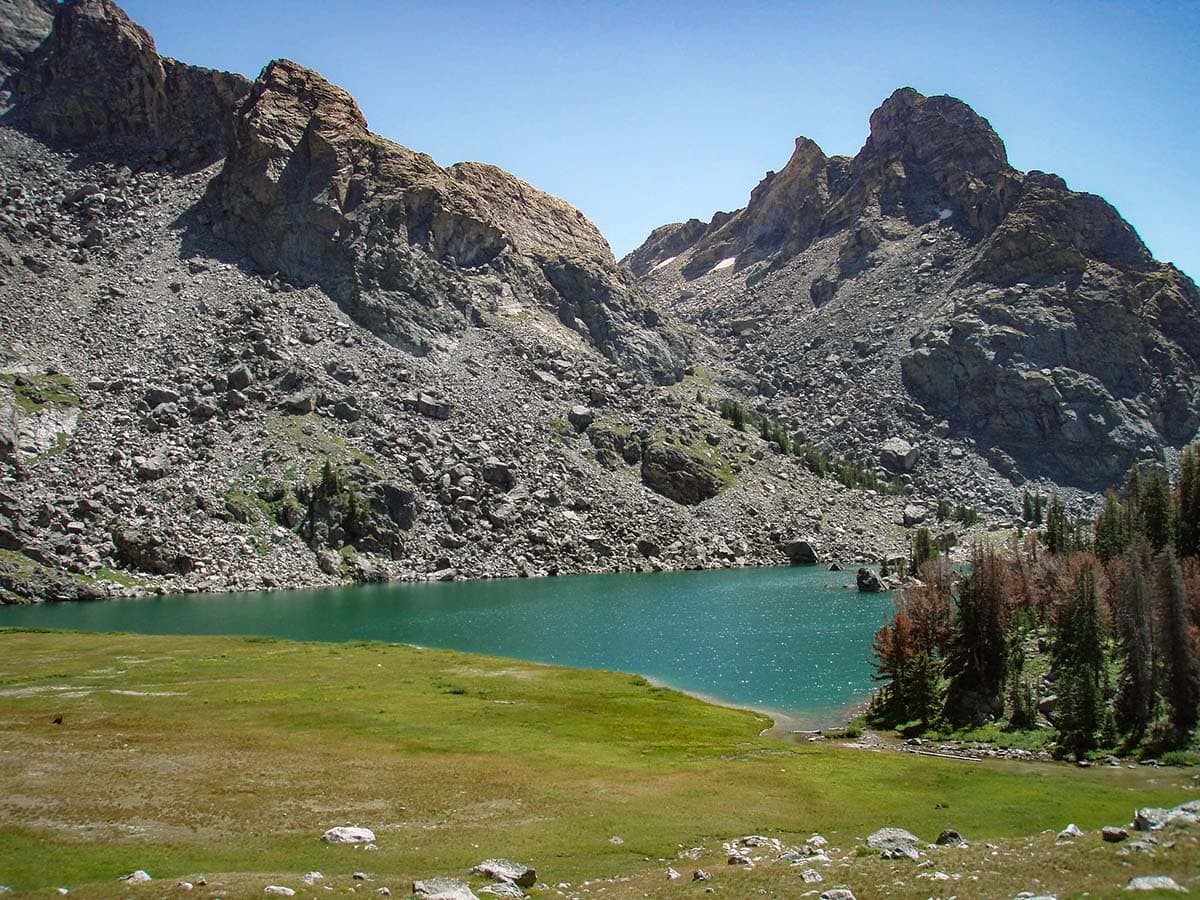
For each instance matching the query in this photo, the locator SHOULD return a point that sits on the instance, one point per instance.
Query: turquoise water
(794, 641)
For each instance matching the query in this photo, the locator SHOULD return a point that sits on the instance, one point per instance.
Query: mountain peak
(98, 81)
(935, 131)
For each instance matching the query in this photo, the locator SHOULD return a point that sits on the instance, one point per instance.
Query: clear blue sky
(647, 113)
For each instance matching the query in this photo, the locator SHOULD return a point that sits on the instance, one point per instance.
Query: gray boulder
(239, 378)
(868, 582)
(800, 553)
(679, 475)
(914, 514)
(301, 403)
(580, 417)
(897, 455)
(348, 834)
(891, 838)
(507, 870)
(443, 888)
(1154, 883)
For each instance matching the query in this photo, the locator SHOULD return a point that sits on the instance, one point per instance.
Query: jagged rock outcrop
(98, 81)
(410, 249)
(24, 24)
(1000, 310)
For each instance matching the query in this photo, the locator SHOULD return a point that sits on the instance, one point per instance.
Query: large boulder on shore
(868, 582)
(800, 553)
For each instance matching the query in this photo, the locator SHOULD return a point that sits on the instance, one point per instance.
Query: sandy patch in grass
(472, 672)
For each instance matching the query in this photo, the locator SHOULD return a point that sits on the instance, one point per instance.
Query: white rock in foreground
(1154, 883)
(138, 876)
(348, 834)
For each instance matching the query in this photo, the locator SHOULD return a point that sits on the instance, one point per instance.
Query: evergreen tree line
(1095, 630)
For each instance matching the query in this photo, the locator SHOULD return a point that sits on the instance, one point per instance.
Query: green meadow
(229, 757)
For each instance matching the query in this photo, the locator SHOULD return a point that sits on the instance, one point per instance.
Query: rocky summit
(1012, 328)
(247, 343)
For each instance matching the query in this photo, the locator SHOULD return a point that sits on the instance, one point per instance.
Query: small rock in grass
(138, 876)
(507, 870)
(311, 878)
(503, 889)
(279, 890)
(348, 834)
(443, 888)
(949, 837)
(1149, 818)
(890, 838)
(362, 876)
(672, 875)
(739, 859)
(185, 886)
(903, 851)
(1154, 883)
(838, 894)
(384, 891)
(1113, 834)
(62, 890)
(812, 876)
(701, 875)
(1069, 833)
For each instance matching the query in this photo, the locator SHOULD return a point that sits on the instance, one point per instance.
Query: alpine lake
(791, 642)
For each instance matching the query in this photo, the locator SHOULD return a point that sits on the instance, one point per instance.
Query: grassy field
(230, 757)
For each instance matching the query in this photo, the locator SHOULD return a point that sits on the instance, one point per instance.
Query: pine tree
(977, 659)
(1187, 539)
(1181, 668)
(1057, 529)
(1156, 511)
(1078, 653)
(1021, 701)
(1027, 507)
(1037, 508)
(1134, 704)
(1112, 533)
(924, 548)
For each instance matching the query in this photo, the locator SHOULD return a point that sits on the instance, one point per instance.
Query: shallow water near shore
(791, 641)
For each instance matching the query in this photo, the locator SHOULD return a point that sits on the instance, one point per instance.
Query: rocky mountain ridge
(249, 344)
(1021, 324)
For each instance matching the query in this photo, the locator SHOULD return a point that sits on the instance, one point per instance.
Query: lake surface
(792, 640)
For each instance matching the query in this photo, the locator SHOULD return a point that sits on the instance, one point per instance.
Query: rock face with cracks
(98, 81)
(413, 251)
(995, 309)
